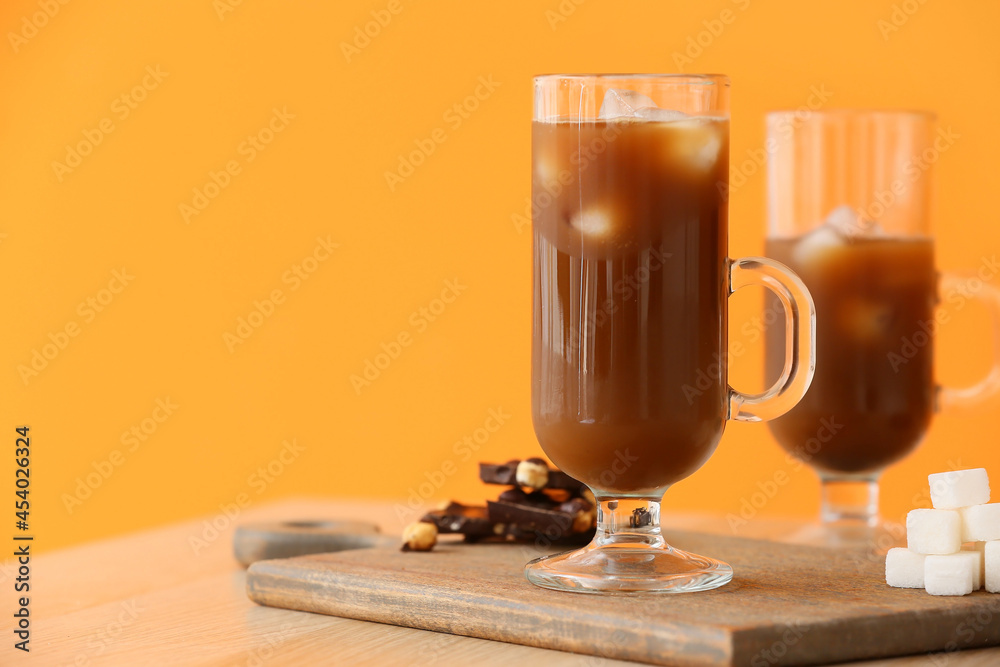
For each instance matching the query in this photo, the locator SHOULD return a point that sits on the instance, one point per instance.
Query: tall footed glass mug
(631, 281)
(849, 196)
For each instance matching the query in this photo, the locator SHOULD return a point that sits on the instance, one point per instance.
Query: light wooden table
(148, 599)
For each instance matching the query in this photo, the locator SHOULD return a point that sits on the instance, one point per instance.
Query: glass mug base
(628, 555)
(625, 568)
(876, 540)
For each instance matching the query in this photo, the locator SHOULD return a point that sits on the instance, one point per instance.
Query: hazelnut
(584, 514)
(584, 520)
(419, 536)
(532, 473)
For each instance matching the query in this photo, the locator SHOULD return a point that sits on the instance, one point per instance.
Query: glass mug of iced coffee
(631, 280)
(848, 210)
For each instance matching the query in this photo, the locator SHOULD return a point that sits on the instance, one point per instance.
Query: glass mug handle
(949, 397)
(800, 339)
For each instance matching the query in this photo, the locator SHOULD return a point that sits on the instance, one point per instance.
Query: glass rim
(852, 112)
(677, 77)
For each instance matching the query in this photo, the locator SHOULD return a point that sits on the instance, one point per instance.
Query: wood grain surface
(286, 539)
(152, 598)
(787, 605)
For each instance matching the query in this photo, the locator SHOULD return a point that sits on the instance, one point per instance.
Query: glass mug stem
(849, 501)
(629, 521)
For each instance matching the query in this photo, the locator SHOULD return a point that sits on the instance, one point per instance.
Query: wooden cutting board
(787, 605)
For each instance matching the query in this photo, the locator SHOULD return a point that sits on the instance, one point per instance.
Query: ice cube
(620, 103)
(545, 170)
(662, 115)
(844, 219)
(592, 222)
(863, 318)
(818, 243)
(851, 223)
(624, 104)
(695, 143)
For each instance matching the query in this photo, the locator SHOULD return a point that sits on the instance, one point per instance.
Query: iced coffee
(871, 400)
(630, 288)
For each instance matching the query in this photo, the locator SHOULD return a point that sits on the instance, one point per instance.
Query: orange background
(323, 176)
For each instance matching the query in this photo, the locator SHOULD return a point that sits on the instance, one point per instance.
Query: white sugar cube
(934, 531)
(949, 575)
(980, 549)
(980, 523)
(992, 553)
(977, 567)
(904, 568)
(960, 488)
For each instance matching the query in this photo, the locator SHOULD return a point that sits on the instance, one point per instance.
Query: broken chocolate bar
(472, 522)
(551, 523)
(506, 474)
(534, 499)
(518, 522)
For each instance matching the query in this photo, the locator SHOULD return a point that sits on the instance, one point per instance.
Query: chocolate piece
(584, 514)
(526, 517)
(506, 474)
(470, 521)
(640, 517)
(515, 495)
(551, 523)
(516, 534)
(540, 499)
